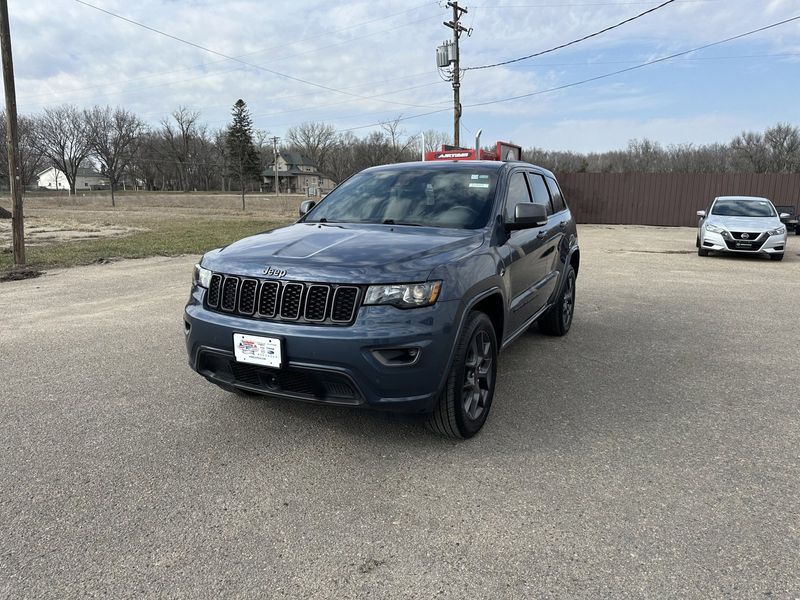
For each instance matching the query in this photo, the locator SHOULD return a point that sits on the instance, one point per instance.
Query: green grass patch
(168, 237)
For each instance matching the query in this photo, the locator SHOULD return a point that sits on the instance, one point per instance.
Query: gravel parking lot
(653, 452)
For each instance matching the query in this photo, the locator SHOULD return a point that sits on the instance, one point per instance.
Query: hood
(346, 253)
(752, 224)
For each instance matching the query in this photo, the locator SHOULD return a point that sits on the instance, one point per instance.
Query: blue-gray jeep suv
(396, 292)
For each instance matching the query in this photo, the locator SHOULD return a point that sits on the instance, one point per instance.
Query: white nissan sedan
(741, 224)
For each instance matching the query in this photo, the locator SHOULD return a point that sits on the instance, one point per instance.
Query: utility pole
(275, 164)
(458, 29)
(12, 140)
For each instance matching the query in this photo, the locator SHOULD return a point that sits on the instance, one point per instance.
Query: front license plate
(744, 245)
(258, 350)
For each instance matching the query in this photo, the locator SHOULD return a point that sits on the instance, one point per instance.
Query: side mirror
(305, 206)
(701, 214)
(785, 215)
(528, 215)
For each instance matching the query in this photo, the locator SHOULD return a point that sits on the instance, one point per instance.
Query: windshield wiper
(393, 222)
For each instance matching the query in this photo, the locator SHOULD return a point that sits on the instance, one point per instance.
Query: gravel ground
(654, 452)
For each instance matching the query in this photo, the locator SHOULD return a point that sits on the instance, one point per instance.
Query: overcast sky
(363, 62)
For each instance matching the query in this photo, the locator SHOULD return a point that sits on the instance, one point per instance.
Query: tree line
(776, 150)
(182, 153)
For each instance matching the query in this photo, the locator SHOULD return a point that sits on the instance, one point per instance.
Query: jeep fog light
(404, 295)
(201, 276)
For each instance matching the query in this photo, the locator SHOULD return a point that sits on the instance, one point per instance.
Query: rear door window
(540, 193)
(555, 192)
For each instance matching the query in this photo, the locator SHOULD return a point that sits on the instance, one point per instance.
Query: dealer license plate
(255, 349)
(744, 245)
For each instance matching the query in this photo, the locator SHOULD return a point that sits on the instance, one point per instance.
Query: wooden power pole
(275, 155)
(457, 30)
(17, 223)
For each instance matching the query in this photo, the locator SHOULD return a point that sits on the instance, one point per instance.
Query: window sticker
(479, 177)
(479, 185)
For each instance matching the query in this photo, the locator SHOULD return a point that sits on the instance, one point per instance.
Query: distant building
(86, 179)
(297, 174)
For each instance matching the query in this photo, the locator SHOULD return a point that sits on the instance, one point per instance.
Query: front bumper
(763, 244)
(332, 364)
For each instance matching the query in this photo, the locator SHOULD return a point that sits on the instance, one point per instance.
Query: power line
(639, 66)
(628, 62)
(577, 4)
(216, 62)
(592, 79)
(573, 42)
(233, 58)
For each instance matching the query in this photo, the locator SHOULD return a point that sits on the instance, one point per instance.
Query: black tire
(776, 256)
(797, 229)
(702, 252)
(464, 404)
(558, 318)
(697, 242)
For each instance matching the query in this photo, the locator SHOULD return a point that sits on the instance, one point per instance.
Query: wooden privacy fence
(666, 199)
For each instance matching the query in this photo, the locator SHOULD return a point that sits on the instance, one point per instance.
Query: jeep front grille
(319, 303)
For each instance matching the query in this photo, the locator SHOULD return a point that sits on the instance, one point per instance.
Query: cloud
(378, 61)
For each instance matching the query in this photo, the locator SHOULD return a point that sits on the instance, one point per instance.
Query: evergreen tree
(242, 155)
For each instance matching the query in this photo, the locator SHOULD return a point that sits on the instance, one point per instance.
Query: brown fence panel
(667, 199)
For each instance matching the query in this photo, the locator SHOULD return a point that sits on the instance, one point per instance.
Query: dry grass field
(65, 231)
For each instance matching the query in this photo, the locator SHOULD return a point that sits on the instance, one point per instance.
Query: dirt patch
(20, 273)
(41, 231)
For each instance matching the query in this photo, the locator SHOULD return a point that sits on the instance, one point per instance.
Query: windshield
(743, 208)
(458, 198)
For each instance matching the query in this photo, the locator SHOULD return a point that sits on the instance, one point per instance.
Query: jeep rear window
(456, 198)
(743, 208)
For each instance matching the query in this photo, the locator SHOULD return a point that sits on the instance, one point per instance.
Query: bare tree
(434, 140)
(783, 144)
(313, 139)
(115, 136)
(178, 137)
(31, 157)
(63, 138)
(263, 146)
(750, 152)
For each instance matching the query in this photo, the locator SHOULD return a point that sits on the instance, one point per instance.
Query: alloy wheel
(477, 374)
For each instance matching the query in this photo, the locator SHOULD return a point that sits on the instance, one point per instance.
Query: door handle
(563, 224)
(541, 235)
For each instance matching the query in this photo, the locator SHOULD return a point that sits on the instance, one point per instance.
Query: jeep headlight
(777, 231)
(714, 228)
(404, 295)
(201, 276)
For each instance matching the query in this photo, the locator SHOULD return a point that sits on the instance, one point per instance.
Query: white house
(87, 179)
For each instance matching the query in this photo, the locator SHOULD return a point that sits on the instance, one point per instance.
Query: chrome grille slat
(299, 302)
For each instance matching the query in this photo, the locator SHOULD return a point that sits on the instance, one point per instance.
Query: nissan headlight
(777, 231)
(404, 295)
(201, 276)
(714, 228)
